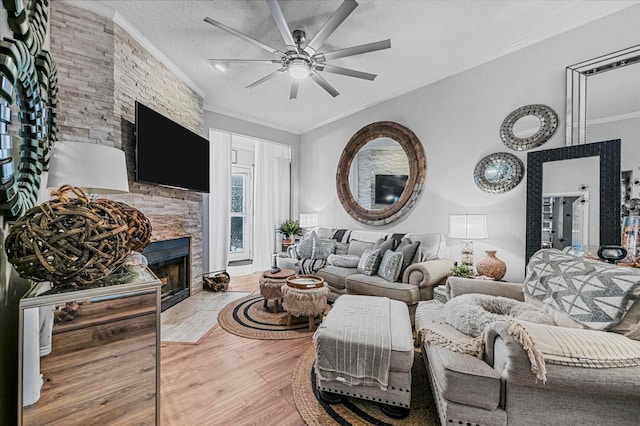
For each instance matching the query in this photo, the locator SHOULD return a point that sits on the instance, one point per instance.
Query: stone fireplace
(170, 261)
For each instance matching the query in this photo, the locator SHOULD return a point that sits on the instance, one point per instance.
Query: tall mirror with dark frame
(590, 215)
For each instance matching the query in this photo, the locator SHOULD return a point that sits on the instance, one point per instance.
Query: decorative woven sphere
(139, 226)
(68, 241)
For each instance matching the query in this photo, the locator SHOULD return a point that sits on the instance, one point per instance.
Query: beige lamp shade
(96, 168)
(468, 226)
(308, 220)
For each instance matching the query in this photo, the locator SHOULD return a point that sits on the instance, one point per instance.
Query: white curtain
(272, 199)
(219, 199)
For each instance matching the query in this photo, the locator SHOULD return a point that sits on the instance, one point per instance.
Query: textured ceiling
(430, 40)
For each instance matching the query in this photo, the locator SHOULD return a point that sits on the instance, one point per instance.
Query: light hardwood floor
(230, 380)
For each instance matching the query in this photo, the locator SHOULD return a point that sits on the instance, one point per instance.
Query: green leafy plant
(463, 271)
(290, 228)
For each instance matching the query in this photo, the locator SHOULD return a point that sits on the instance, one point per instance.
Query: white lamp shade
(468, 226)
(308, 220)
(96, 168)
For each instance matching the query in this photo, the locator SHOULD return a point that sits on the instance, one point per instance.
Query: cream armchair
(508, 382)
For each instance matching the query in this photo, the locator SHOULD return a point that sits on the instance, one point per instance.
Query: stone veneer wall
(102, 71)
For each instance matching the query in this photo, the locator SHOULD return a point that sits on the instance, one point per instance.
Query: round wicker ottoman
(305, 296)
(271, 285)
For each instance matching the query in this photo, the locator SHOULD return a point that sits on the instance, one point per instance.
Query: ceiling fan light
(298, 69)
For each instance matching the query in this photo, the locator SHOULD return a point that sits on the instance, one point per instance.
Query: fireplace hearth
(169, 260)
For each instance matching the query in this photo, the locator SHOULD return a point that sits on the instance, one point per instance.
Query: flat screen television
(389, 188)
(169, 154)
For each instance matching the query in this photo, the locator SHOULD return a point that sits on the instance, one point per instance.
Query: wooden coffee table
(305, 295)
(271, 285)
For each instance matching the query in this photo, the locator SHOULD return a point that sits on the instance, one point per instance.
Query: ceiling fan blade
(330, 26)
(324, 84)
(265, 78)
(243, 36)
(352, 51)
(282, 25)
(249, 61)
(346, 71)
(294, 89)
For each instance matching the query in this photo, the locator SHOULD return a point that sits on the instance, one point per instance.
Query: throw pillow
(342, 248)
(368, 264)
(357, 247)
(343, 260)
(383, 245)
(390, 265)
(403, 243)
(305, 246)
(408, 253)
(322, 248)
(341, 235)
(432, 246)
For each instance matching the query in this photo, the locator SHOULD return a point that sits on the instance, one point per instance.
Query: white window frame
(247, 214)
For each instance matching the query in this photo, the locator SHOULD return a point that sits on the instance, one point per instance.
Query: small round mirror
(526, 126)
(499, 172)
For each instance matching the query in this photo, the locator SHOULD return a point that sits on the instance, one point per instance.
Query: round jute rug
(247, 317)
(354, 411)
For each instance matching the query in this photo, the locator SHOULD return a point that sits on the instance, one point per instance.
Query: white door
(241, 215)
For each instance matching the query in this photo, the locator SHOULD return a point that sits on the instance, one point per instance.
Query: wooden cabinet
(104, 360)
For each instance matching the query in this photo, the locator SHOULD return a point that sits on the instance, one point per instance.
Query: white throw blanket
(353, 343)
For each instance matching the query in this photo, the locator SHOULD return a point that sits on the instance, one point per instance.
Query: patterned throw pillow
(368, 264)
(305, 246)
(391, 265)
(322, 248)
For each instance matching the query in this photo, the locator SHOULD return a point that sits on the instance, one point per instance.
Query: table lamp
(96, 168)
(308, 220)
(468, 227)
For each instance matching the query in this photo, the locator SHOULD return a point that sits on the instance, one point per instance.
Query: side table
(271, 286)
(305, 295)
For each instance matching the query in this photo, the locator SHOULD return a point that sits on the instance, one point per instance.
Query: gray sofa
(429, 267)
(497, 386)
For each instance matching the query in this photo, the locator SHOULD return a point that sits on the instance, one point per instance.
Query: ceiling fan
(302, 59)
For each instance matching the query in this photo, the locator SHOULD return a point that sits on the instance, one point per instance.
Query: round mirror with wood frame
(415, 181)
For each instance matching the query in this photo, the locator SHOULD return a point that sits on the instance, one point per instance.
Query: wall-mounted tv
(389, 188)
(169, 154)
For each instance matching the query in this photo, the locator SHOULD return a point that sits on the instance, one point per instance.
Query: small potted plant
(463, 271)
(290, 228)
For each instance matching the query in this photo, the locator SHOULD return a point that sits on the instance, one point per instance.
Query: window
(240, 215)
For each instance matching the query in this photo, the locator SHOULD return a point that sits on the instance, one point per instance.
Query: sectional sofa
(427, 266)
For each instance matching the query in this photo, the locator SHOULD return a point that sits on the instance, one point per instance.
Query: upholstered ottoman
(364, 349)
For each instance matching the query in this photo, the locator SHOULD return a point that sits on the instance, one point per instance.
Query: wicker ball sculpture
(70, 242)
(139, 226)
